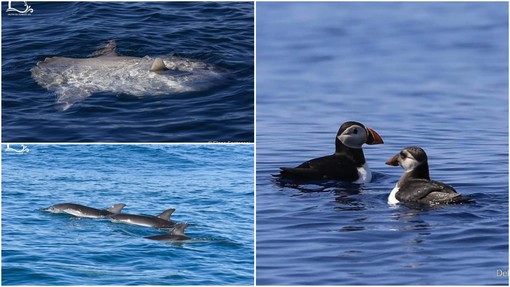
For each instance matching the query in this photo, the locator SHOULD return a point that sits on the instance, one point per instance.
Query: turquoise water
(211, 188)
(428, 74)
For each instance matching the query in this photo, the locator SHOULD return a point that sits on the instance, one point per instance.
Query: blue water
(211, 187)
(428, 74)
(217, 33)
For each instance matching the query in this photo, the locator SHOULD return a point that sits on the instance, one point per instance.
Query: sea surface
(215, 33)
(210, 186)
(433, 75)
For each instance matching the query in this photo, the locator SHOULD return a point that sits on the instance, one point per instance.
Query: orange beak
(393, 161)
(373, 137)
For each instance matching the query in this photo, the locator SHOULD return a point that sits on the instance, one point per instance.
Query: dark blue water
(211, 187)
(216, 33)
(428, 74)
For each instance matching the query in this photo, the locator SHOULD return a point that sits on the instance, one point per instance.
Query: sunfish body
(79, 210)
(75, 79)
(161, 221)
(175, 234)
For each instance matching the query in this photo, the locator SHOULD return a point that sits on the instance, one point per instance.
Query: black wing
(425, 191)
(327, 167)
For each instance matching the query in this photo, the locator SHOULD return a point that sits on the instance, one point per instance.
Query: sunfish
(79, 210)
(160, 221)
(75, 79)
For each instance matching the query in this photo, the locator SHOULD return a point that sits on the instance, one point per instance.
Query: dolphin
(175, 235)
(75, 79)
(160, 221)
(79, 210)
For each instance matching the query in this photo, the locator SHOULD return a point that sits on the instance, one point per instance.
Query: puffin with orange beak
(347, 163)
(415, 184)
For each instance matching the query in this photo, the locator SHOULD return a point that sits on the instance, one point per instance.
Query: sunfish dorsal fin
(117, 208)
(158, 65)
(179, 229)
(109, 50)
(166, 214)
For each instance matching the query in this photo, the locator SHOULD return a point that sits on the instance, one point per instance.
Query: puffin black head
(354, 135)
(412, 159)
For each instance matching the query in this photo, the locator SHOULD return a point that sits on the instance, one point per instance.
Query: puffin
(346, 164)
(415, 186)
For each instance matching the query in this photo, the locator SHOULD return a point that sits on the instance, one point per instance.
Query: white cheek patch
(347, 140)
(409, 163)
(353, 140)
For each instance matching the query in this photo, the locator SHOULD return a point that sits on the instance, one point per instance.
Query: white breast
(364, 174)
(392, 198)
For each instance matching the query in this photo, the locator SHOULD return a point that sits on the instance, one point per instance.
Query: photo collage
(245, 143)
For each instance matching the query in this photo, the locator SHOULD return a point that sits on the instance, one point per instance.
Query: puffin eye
(402, 154)
(355, 131)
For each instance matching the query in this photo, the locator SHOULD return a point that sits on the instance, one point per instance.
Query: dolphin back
(165, 215)
(179, 229)
(116, 209)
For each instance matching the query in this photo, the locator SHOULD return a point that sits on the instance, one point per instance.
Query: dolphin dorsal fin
(179, 229)
(166, 214)
(109, 50)
(158, 65)
(117, 208)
